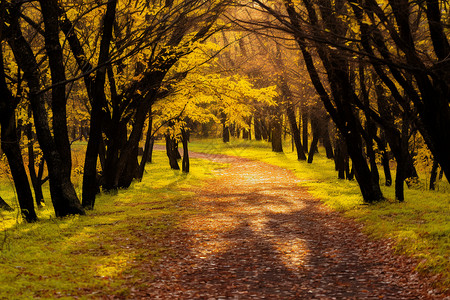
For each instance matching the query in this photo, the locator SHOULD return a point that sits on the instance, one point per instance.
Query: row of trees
(381, 71)
(121, 51)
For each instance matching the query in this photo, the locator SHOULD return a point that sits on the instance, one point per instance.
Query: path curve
(259, 235)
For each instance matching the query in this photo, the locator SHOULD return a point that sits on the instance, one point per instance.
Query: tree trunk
(50, 13)
(327, 141)
(35, 180)
(232, 130)
(171, 152)
(290, 111)
(176, 150)
(90, 184)
(433, 175)
(277, 131)
(185, 140)
(225, 133)
(148, 148)
(131, 170)
(385, 161)
(265, 131)
(10, 146)
(304, 116)
(245, 134)
(370, 129)
(313, 148)
(392, 135)
(401, 161)
(339, 160)
(258, 130)
(316, 133)
(114, 145)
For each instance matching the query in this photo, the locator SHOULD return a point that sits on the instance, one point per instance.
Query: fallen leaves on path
(258, 235)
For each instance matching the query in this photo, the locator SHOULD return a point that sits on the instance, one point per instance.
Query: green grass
(419, 227)
(98, 252)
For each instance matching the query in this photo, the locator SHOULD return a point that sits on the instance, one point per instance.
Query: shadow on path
(259, 235)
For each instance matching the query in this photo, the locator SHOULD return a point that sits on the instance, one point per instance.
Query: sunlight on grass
(419, 227)
(80, 255)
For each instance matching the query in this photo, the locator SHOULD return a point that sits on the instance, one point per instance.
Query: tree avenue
(367, 80)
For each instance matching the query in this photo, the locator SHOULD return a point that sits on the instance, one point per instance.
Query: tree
(54, 147)
(10, 142)
(339, 104)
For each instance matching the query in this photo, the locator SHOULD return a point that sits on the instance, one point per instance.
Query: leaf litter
(257, 234)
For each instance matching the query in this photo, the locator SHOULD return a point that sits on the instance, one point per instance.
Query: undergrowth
(419, 227)
(94, 255)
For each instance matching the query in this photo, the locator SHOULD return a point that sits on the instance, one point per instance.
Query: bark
(327, 141)
(50, 13)
(391, 133)
(258, 129)
(185, 140)
(370, 130)
(113, 153)
(10, 146)
(35, 180)
(315, 141)
(290, 111)
(433, 175)
(232, 130)
(304, 116)
(148, 148)
(225, 133)
(80, 56)
(177, 150)
(249, 123)
(385, 160)
(245, 134)
(170, 151)
(277, 131)
(401, 161)
(225, 129)
(339, 159)
(265, 130)
(131, 170)
(90, 186)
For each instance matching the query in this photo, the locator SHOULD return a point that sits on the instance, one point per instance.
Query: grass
(81, 254)
(419, 227)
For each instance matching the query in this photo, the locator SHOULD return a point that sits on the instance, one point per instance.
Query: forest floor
(257, 234)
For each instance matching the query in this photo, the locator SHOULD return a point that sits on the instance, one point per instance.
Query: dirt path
(261, 236)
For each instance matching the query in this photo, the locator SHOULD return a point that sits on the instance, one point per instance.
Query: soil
(259, 235)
